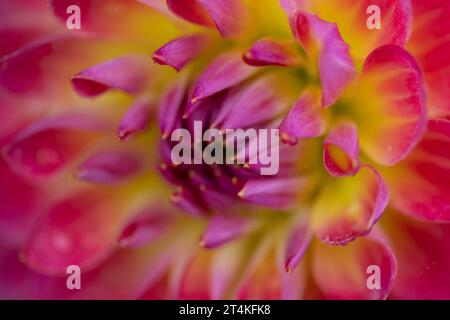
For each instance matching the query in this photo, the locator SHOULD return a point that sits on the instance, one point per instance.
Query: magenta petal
(225, 71)
(127, 73)
(229, 16)
(341, 151)
(267, 52)
(336, 67)
(304, 120)
(145, 227)
(171, 108)
(191, 11)
(298, 243)
(180, 51)
(109, 167)
(223, 228)
(136, 119)
(279, 193)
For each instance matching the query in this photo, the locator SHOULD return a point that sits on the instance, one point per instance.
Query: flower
(360, 205)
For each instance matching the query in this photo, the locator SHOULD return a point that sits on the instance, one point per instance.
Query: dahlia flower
(87, 174)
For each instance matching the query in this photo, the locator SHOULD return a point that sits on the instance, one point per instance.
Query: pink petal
(225, 71)
(191, 10)
(349, 207)
(304, 120)
(421, 183)
(268, 52)
(180, 51)
(76, 231)
(276, 193)
(298, 243)
(343, 272)
(109, 167)
(341, 151)
(171, 108)
(390, 93)
(222, 229)
(145, 227)
(48, 145)
(136, 119)
(335, 64)
(126, 73)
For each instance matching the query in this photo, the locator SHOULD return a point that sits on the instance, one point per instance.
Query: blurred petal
(304, 120)
(298, 243)
(390, 110)
(348, 207)
(225, 71)
(136, 119)
(278, 193)
(342, 272)
(109, 167)
(170, 109)
(430, 45)
(191, 10)
(48, 145)
(222, 229)
(421, 183)
(341, 151)
(268, 52)
(422, 250)
(76, 231)
(145, 227)
(335, 64)
(180, 51)
(126, 73)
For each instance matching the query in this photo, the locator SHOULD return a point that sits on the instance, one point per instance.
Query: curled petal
(390, 91)
(276, 193)
(421, 183)
(268, 52)
(222, 229)
(225, 71)
(136, 119)
(341, 151)
(126, 73)
(145, 227)
(191, 10)
(109, 167)
(180, 51)
(48, 145)
(349, 207)
(304, 120)
(363, 270)
(336, 68)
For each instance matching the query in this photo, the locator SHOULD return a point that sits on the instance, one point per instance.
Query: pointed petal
(298, 242)
(348, 207)
(268, 52)
(222, 229)
(343, 272)
(225, 71)
(336, 68)
(109, 167)
(341, 151)
(126, 73)
(421, 183)
(391, 94)
(180, 51)
(276, 193)
(170, 109)
(304, 120)
(136, 119)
